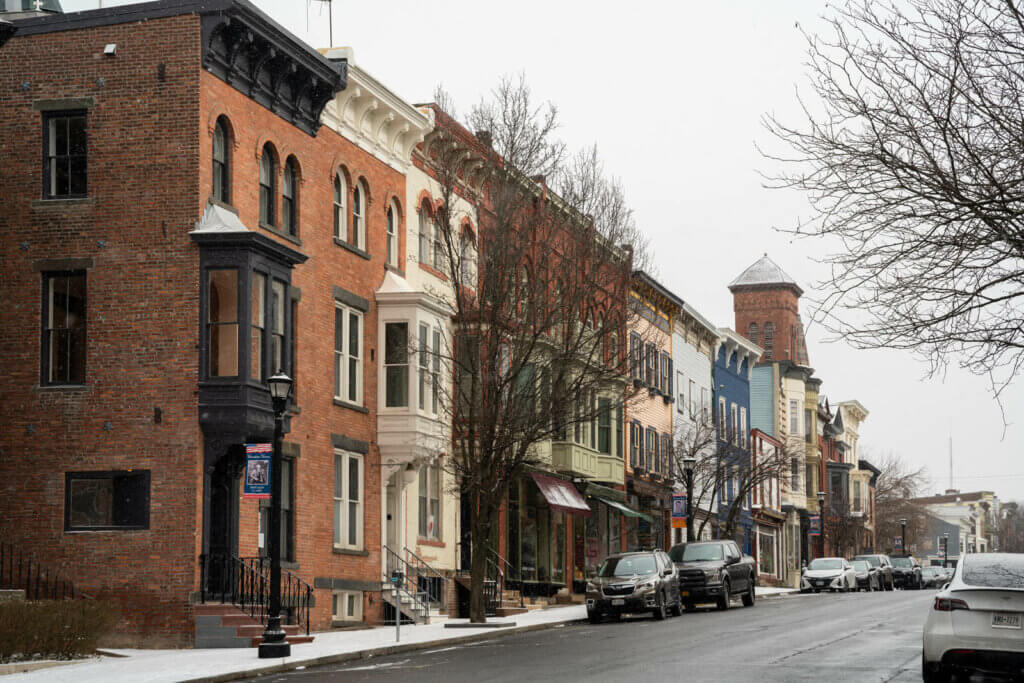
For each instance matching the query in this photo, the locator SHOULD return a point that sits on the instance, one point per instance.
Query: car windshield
(861, 565)
(903, 562)
(825, 564)
(994, 571)
(872, 560)
(675, 553)
(699, 552)
(630, 565)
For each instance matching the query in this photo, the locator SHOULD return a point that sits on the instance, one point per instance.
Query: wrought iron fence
(19, 572)
(245, 583)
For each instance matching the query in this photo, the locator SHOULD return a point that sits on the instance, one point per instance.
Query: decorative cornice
(247, 50)
(373, 117)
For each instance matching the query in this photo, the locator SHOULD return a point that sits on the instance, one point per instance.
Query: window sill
(281, 233)
(436, 273)
(351, 406)
(103, 529)
(351, 551)
(62, 201)
(63, 387)
(433, 543)
(355, 250)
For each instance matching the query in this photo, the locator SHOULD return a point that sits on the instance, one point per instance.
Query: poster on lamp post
(814, 525)
(678, 510)
(256, 483)
(897, 543)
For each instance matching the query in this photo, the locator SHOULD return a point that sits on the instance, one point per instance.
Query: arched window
(467, 260)
(769, 340)
(358, 217)
(424, 252)
(268, 175)
(340, 217)
(221, 159)
(392, 237)
(752, 334)
(290, 198)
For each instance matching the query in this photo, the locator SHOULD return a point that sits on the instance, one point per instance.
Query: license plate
(616, 603)
(684, 594)
(1005, 620)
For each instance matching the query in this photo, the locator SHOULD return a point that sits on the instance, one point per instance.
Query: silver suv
(629, 583)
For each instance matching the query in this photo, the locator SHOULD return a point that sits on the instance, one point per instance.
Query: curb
(344, 657)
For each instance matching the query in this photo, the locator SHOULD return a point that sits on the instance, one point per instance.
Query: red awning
(561, 495)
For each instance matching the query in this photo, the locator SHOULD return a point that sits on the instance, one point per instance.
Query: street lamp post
(275, 643)
(903, 535)
(945, 548)
(821, 521)
(688, 464)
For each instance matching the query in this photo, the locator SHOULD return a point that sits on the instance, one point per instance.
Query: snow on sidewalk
(764, 591)
(168, 666)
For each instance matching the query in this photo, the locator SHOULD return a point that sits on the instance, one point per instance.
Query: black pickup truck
(713, 571)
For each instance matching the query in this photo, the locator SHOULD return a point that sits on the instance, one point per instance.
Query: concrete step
(237, 620)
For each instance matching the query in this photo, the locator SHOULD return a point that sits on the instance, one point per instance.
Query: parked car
(933, 577)
(828, 574)
(714, 571)
(906, 573)
(975, 624)
(884, 566)
(868, 577)
(629, 583)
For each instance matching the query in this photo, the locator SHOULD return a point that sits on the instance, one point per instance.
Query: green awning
(624, 509)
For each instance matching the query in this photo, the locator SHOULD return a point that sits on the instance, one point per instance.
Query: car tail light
(949, 604)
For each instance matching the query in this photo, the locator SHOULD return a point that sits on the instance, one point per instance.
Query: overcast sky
(673, 94)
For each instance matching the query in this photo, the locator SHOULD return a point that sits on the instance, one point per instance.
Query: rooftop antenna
(330, 19)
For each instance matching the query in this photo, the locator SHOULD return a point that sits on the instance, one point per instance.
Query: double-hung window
(734, 423)
(340, 215)
(268, 176)
(64, 158)
(63, 343)
(681, 397)
(358, 237)
(348, 500)
(348, 365)
(430, 502)
(636, 444)
(429, 369)
(222, 321)
(743, 427)
(721, 418)
(289, 198)
(279, 304)
(396, 365)
(651, 442)
(651, 369)
(391, 251)
(666, 375)
(635, 353)
(221, 168)
(424, 236)
(258, 313)
(604, 425)
(794, 417)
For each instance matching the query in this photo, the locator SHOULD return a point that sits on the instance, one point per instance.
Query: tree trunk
(481, 515)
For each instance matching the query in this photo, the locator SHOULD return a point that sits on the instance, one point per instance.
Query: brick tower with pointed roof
(766, 302)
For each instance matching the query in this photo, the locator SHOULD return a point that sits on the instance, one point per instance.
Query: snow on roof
(764, 272)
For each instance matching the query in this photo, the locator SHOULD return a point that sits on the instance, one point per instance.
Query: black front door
(221, 526)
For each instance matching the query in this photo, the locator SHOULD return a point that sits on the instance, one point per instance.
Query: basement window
(347, 606)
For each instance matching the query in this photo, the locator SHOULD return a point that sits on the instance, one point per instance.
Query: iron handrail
(18, 572)
(245, 583)
(422, 568)
(409, 583)
(508, 565)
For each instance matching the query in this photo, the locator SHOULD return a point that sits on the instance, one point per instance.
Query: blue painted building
(735, 357)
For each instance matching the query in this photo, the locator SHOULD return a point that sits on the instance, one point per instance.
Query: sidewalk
(771, 592)
(169, 666)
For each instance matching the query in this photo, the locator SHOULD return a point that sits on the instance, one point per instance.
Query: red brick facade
(151, 113)
(778, 305)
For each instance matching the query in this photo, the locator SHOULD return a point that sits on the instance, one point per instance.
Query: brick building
(189, 228)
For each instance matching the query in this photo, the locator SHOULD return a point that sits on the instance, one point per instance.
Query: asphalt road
(855, 637)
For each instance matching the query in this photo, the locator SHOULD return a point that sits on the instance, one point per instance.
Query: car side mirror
(732, 560)
(667, 573)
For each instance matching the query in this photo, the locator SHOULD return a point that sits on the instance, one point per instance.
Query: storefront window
(558, 547)
(766, 553)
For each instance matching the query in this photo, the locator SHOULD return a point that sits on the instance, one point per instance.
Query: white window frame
(391, 238)
(342, 517)
(734, 423)
(743, 427)
(341, 599)
(358, 236)
(342, 359)
(340, 201)
(694, 408)
(432, 474)
(722, 429)
(794, 418)
(411, 328)
(681, 398)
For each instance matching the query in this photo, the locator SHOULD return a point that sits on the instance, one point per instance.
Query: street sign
(257, 470)
(678, 510)
(814, 525)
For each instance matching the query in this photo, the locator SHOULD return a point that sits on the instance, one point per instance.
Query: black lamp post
(903, 535)
(688, 464)
(275, 643)
(945, 548)
(821, 521)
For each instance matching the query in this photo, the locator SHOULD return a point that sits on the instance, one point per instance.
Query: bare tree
(749, 474)
(841, 528)
(539, 269)
(895, 488)
(1011, 527)
(696, 441)
(913, 160)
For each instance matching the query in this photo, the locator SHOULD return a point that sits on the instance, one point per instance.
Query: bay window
(222, 321)
(396, 365)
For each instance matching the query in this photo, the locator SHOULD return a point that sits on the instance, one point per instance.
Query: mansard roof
(764, 272)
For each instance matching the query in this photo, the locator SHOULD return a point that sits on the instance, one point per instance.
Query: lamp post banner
(814, 525)
(257, 470)
(678, 511)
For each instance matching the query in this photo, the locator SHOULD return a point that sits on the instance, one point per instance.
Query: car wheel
(677, 609)
(748, 597)
(723, 601)
(594, 617)
(660, 611)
